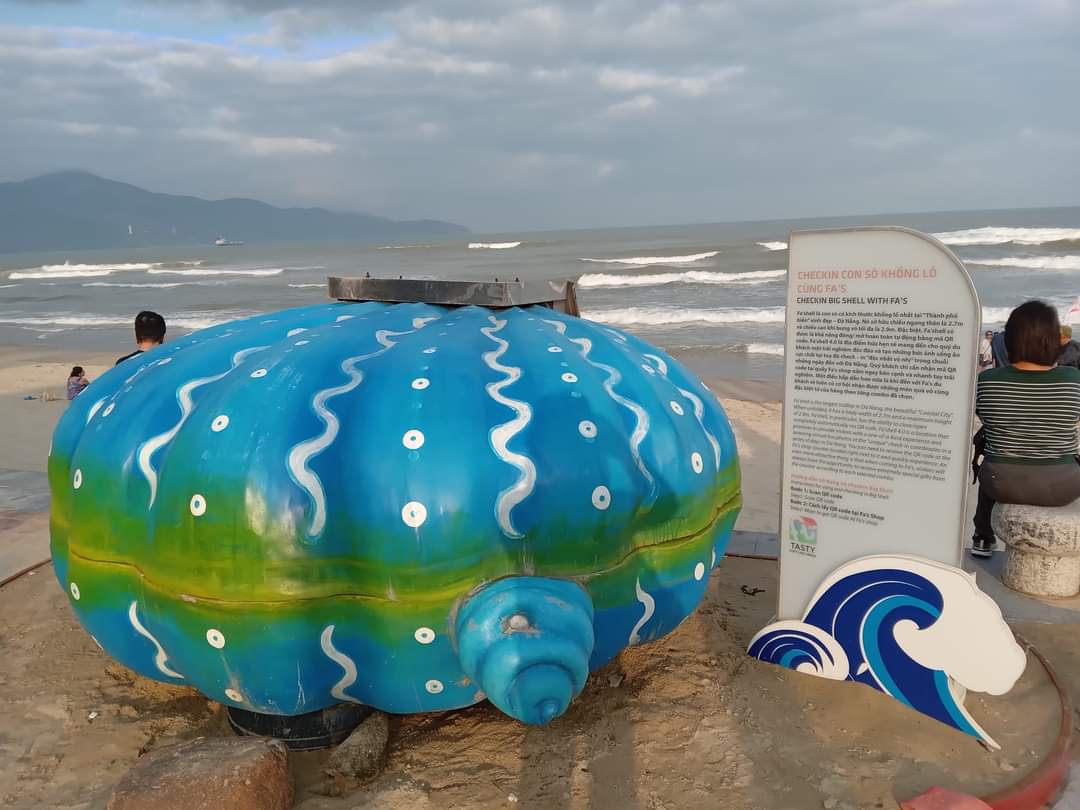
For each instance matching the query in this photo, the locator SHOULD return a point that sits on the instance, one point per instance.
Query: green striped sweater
(1030, 416)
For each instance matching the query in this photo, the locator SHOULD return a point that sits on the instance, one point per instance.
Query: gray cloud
(528, 115)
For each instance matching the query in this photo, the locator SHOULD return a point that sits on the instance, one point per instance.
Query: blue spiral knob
(526, 641)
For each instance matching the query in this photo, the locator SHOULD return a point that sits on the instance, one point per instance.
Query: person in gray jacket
(1070, 349)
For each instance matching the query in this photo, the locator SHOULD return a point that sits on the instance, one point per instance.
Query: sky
(512, 115)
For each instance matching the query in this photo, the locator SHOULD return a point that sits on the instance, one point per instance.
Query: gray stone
(1042, 548)
(361, 757)
(238, 773)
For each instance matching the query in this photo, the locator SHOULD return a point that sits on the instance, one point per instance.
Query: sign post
(882, 335)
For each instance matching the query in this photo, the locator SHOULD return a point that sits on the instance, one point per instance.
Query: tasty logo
(803, 536)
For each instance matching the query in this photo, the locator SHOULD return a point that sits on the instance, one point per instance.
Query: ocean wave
(5, 286)
(68, 270)
(302, 286)
(193, 320)
(492, 245)
(689, 277)
(1031, 262)
(642, 261)
(153, 285)
(307, 267)
(665, 316)
(774, 245)
(260, 271)
(1003, 236)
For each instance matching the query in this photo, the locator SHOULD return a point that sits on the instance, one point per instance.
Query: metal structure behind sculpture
(404, 505)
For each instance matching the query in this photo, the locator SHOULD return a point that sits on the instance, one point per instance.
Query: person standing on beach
(1029, 411)
(1070, 349)
(999, 350)
(986, 353)
(149, 333)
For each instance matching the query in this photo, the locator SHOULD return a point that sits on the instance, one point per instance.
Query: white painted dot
(220, 423)
(259, 372)
(677, 408)
(696, 462)
(420, 383)
(198, 505)
(413, 439)
(569, 377)
(108, 409)
(302, 343)
(433, 686)
(601, 498)
(294, 332)
(76, 480)
(215, 638)
(587, 429)
(75, 592)
(234, 696)
(554, 349)
(414, 514)
(519, 622)
(699, 571)
(430, 350)
(425, 635)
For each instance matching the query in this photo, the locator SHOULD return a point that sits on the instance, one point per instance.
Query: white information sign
(882, 336)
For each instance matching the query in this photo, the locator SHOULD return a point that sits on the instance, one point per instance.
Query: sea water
(711, 294)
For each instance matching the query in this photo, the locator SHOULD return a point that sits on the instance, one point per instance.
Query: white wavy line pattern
(326, 641)
(94, 409)
(699, 414)
(183, 396)
(641, 416)
(649, 605)
(502, 434)
(161, 658)
(301, 455)
(660, 364)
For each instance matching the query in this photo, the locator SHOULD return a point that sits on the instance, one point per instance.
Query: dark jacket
(1070, 354)
(997, 346)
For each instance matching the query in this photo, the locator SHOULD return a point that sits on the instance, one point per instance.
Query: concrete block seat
(1042, 547)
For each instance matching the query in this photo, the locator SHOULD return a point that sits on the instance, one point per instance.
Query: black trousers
(1034, 484)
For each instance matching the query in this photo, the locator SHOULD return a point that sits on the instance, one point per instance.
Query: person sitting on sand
(149, 333)
(76, 382)
(1070, 349)
(1029, 411)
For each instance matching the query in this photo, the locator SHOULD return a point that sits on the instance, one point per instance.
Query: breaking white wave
(492, 245)
(158, 285)
(665, 316)
(765, 348)
(302, 286)
(68, 270)
(776, 349)
(193, 320)
(642, 261)
(258, 271)
(307, 267)
(5, 286)
(1031, 262)
(774, 245)
(995, 314)
(689, 277)
(1003, 236)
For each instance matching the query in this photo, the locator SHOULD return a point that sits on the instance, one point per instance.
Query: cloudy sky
(510, 114)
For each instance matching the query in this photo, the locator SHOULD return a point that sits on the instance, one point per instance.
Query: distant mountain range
(74, 209)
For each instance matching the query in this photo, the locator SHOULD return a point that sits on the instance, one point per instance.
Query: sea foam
(774, 245)
(1002, 236)
(689, 277)
(1031, 262)
(642, 261)
(669, 316)
(492, 245)
(206, 271)
(67, 270)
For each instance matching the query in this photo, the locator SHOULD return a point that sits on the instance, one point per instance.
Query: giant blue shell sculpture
(407, 506)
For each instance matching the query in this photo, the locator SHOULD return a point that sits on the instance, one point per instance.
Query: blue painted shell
(290, 511)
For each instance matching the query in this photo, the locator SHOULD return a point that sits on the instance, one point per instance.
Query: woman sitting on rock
(1029, 410)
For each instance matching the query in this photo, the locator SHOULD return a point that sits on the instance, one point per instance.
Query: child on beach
(76, 382)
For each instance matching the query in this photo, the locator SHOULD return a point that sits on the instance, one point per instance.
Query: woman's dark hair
(76, 371)
(1033, 334)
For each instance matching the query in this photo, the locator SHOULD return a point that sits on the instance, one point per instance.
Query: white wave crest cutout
(326, 641)
(689, 277)
(492, 245)
(502, 434)
(643, 261)
(1003, 236)
(774, 245)
(151, 446)
(665, 316)
(301, 455)
(1031, 262)
(161, 659)
(648, 605)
